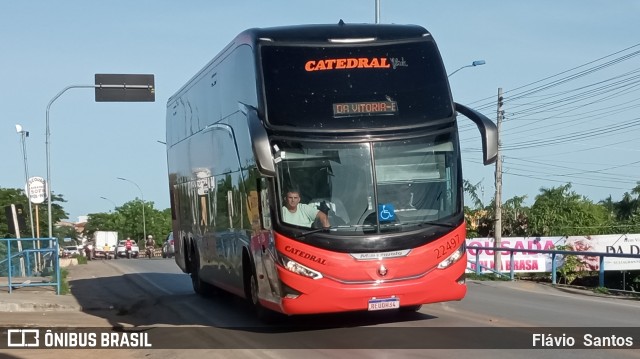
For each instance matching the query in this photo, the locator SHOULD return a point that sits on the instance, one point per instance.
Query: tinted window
(354, 86)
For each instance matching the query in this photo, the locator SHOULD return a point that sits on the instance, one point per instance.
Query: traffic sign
(125, 88)
(36, 189)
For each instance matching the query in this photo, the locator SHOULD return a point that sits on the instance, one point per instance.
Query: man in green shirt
(301, 214)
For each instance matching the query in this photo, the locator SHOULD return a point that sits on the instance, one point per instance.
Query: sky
(568, 69)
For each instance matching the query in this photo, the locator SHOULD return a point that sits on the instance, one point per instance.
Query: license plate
(384, 303)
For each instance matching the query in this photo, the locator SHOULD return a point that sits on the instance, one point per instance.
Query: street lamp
(108, 87)
(23, 135)
(112, 202)
(144, 221)
(475, 63)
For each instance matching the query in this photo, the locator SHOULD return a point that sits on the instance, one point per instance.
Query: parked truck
(104, 244)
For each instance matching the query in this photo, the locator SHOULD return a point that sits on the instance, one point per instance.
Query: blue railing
(37, 260)
(554, 264)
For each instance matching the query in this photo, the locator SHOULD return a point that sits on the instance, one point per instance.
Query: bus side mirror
(259, 141)
(488, 131)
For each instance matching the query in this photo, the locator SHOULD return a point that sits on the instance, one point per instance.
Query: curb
(43, 302)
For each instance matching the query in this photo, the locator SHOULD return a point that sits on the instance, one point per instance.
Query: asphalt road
(145, 293)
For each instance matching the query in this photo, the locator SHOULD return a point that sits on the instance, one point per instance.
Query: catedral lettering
(349, 63)
(307, 176)
(305, 255)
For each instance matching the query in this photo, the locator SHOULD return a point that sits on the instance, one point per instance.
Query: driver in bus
(302, 214)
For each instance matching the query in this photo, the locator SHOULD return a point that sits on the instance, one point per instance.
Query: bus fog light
(454, 257)
(298, 268)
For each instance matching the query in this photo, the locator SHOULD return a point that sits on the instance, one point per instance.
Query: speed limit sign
(36, 189)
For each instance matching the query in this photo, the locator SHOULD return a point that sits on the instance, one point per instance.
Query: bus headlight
(454, 257)
(298, 268)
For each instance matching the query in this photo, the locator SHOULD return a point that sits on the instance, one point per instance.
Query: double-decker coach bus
(360, 120)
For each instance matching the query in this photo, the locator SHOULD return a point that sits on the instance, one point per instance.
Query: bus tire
(264, 315)
(186, 251)
(200, 287)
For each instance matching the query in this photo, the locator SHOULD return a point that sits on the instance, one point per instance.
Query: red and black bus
(360, 119)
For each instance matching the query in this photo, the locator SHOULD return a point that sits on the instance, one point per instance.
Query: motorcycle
(128, 253)
(149, 252)
(88, 251)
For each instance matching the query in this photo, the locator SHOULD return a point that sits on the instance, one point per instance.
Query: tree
(609, 205)
(102, 222)
(626, 208)
(10, 196)
(558, 211)
(127, 220)
(472, 191)
(515, 217)
(479, 218)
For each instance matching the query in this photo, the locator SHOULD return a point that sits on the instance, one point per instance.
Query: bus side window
(265, 211)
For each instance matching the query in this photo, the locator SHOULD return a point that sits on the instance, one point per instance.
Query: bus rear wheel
(200, 287)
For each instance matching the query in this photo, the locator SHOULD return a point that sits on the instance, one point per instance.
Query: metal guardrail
(553, 253)
(41, 257)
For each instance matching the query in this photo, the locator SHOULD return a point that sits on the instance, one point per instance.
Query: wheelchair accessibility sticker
(386, 212)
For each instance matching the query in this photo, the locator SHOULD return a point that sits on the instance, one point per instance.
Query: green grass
(601, 290)
(486, 277)
(64, 283)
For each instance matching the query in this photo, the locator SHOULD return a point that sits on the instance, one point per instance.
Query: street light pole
(23, 135)
(126, 95)
(112, 202)
(475, 63)
(47, 141)
(144, 221)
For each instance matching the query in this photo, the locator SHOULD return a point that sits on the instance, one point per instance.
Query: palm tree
(472, 190)
(609, 205)
(626, 207)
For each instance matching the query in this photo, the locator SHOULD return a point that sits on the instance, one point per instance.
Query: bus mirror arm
(488, 131)
(259, 141)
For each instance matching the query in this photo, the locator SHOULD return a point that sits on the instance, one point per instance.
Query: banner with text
(528, 262)
(523, 261)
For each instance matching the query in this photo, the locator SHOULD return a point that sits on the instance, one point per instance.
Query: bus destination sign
(365, 108)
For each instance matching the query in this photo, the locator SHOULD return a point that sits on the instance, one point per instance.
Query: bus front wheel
(265, 315)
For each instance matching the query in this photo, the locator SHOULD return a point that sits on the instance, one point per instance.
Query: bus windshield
(354, 86)
(372, 187)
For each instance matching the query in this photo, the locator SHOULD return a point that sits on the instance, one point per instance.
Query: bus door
(263, 244)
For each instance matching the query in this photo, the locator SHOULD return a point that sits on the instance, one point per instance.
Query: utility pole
(377, 11)
(497, 260)
(23, 135)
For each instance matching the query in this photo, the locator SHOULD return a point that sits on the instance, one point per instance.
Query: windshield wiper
(327, 229)
(303, 234)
